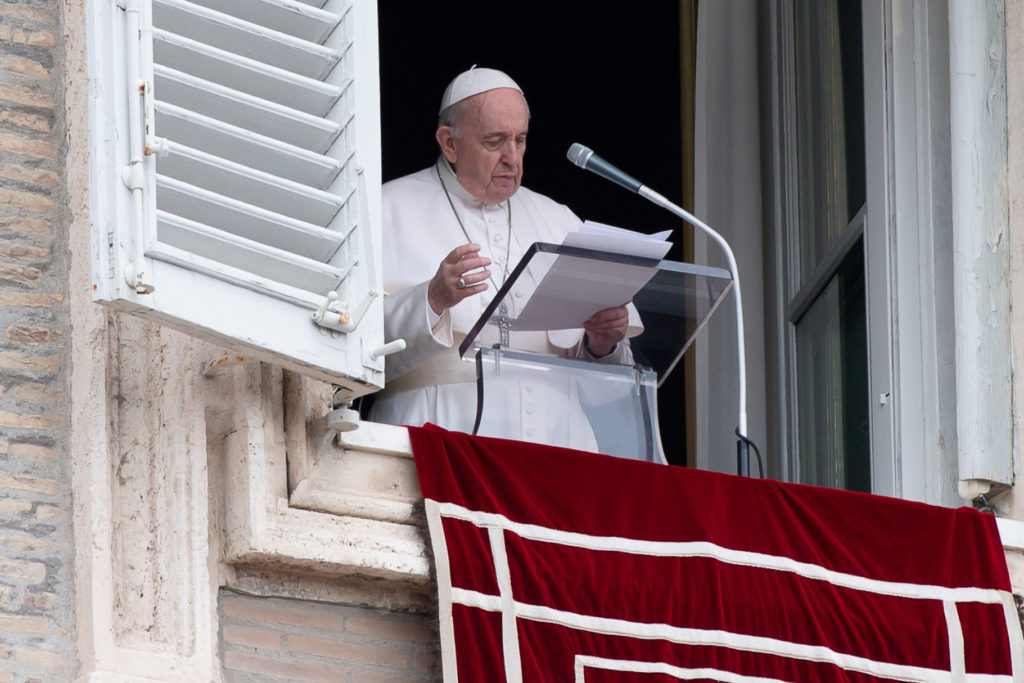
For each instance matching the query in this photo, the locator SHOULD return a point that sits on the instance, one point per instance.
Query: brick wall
(36, 592)
(276, 639)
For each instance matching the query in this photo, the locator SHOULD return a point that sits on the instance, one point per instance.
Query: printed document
(574, 288)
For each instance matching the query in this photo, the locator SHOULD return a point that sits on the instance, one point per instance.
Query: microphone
(584, 157)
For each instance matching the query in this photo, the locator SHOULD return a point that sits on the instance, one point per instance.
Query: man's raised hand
(458, 277)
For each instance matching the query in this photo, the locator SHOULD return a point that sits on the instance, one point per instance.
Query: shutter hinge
(161, 147)
(132, 175)
(135, 280)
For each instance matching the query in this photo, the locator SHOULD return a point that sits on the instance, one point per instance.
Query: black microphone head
(579, 155)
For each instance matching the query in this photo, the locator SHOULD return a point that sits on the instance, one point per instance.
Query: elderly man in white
(452, 234)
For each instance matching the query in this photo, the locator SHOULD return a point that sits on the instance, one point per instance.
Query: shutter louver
(235, 60)
(262, 173)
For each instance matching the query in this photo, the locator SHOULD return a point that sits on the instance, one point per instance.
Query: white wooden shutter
(235, 175)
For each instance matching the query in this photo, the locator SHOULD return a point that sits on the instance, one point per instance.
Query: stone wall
(36, 593)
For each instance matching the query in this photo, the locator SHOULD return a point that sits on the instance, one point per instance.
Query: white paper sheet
(593, 235)
(575, 288)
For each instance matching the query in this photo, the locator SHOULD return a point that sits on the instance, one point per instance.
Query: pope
(452, 233)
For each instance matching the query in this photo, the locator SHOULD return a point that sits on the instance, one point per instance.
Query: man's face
(488, 155)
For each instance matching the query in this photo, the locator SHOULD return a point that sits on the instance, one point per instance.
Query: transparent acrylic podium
(592, 405)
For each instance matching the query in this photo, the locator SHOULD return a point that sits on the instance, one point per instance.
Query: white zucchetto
(474, 82)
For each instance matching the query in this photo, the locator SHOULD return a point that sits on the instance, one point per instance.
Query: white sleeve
(408, 316)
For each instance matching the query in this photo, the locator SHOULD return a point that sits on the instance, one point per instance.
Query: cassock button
(529, 432)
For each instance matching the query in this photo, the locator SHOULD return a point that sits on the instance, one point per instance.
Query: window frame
(911, 390)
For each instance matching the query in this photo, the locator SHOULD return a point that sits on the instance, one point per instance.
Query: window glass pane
(832, 405)
(830, 123)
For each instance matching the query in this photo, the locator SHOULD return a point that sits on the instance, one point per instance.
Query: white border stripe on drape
(727, 555)
(509, 630)
(1016, 637)
(445, 599)
(734, 641)
(584, 662)
(955, 634)
(714, 638)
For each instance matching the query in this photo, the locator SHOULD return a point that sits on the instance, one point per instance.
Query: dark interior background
(609, 80)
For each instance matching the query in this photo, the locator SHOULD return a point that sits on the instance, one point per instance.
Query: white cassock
(428, 382)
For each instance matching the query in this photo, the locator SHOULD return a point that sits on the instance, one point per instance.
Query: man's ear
(446, 141)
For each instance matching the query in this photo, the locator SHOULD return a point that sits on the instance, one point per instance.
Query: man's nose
(510, 153)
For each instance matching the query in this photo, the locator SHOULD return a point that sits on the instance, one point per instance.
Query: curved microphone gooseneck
(585, 158)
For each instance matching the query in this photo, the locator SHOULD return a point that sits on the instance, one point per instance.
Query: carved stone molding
(181, 482)
(351, 512)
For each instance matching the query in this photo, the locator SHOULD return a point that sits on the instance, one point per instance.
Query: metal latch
(339, 317)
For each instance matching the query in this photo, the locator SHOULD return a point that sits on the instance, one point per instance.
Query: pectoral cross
(504, 325)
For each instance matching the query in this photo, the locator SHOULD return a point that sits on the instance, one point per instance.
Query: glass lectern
(611, 408)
